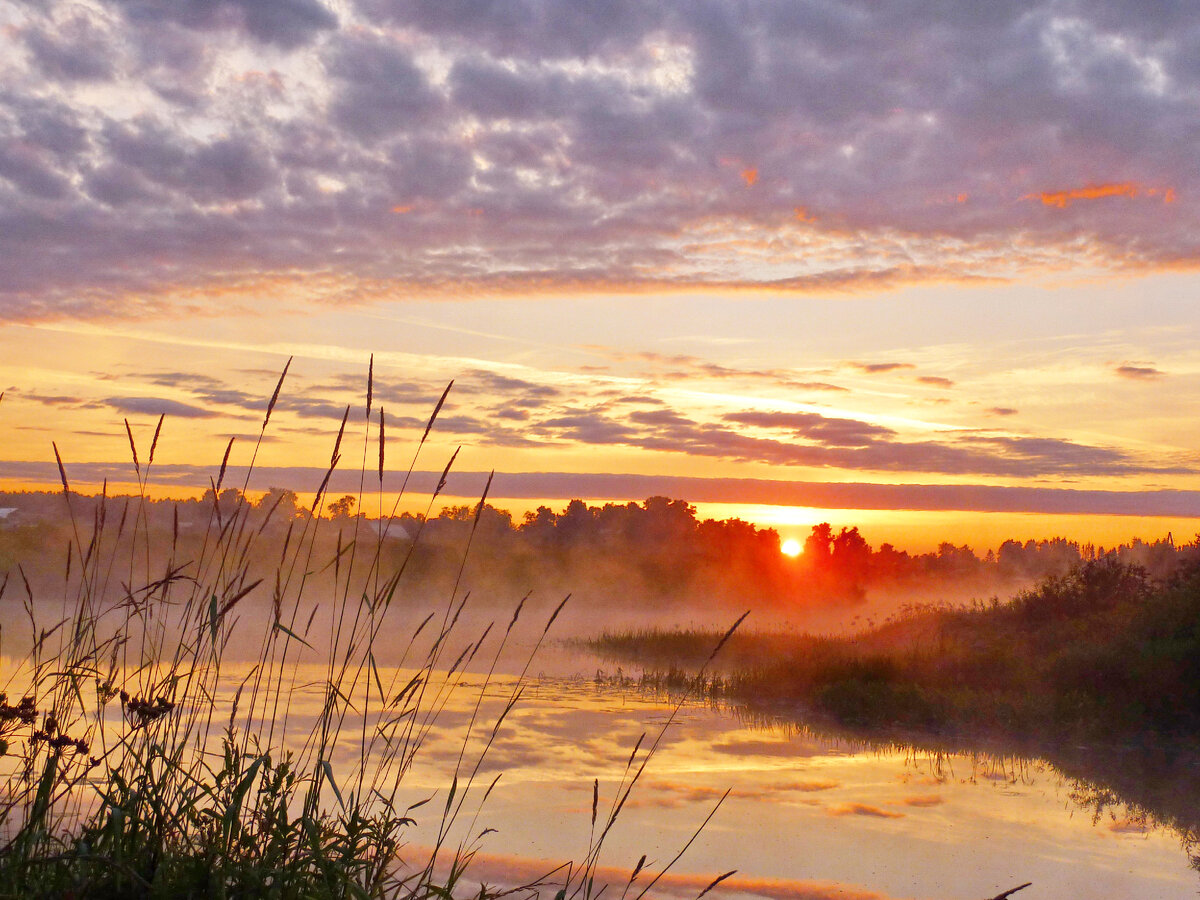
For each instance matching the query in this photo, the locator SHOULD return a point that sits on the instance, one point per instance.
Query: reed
(141, 761)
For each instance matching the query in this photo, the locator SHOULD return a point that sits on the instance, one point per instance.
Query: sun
(790, 547)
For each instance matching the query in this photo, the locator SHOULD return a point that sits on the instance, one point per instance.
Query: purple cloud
(570, 485)
(155, 406)
(550, 146)
(1139, 373)
(878, 368)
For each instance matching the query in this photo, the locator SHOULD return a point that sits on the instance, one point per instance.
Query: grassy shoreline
(1097, 672)
(1102, 651)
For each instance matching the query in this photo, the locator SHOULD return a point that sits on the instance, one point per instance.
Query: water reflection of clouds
(862, 809)
(800, 806)
(751, 747)
(674, 794)
(924, 800)
(1129, 826)
(503, 870)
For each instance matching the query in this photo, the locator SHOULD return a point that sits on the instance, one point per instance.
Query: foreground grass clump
(136, 767)
(1101, 652)
(141, 759)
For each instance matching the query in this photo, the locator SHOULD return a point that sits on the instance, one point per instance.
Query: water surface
(806, 815)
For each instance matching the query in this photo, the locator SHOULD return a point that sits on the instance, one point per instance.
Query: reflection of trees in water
(1148, 785)
(1156, 787)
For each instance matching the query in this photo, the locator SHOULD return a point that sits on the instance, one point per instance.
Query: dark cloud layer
(814, 440)
(601, 486)
(149, 149)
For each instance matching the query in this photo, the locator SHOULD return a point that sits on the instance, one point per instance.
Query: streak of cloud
(878, 368)
(155, 406)
(1139, 373)
(595, 486)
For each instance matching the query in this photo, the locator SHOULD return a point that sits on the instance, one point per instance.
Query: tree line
(658, 549)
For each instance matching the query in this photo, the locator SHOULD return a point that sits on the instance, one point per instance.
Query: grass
(141, 761)
(1101, 652)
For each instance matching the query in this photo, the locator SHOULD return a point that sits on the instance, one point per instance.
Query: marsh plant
(141, 760)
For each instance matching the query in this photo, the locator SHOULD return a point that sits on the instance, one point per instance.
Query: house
(392, 528)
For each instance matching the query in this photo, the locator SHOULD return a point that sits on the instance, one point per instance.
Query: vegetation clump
(141, 759)
(1102, 652)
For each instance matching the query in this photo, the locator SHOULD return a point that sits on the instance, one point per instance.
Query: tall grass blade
(716, 881)
(133, 448)
(437, 409)
(275, 396)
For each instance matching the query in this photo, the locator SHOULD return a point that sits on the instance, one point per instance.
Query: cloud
(877, 368)
(587, 429)
(935, 381)
(1139, 373)
(684, 367)
(831, 442)
(1063, 199)
(378, 89)
(640, 400)
(817, 386)
(228, 168)
(287, 23)
(60, 400)
(1001, 411)
(510, 412)
(548, 146)
(826, 430)
(610, 486)
(481, 381)
(154, 406)
(78, 49)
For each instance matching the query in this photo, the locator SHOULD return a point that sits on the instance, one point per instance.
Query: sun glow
(790, 547)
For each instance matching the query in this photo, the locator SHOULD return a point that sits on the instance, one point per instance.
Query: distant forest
(657, 550)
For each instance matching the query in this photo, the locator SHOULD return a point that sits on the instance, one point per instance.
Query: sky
(925, 267)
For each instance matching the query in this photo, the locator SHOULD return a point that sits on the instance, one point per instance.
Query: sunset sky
(929, 268)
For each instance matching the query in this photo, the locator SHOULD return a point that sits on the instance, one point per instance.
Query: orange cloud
(803, 215)
(1063, 199)
(949, 199)
(750, 176)
(407, 208)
